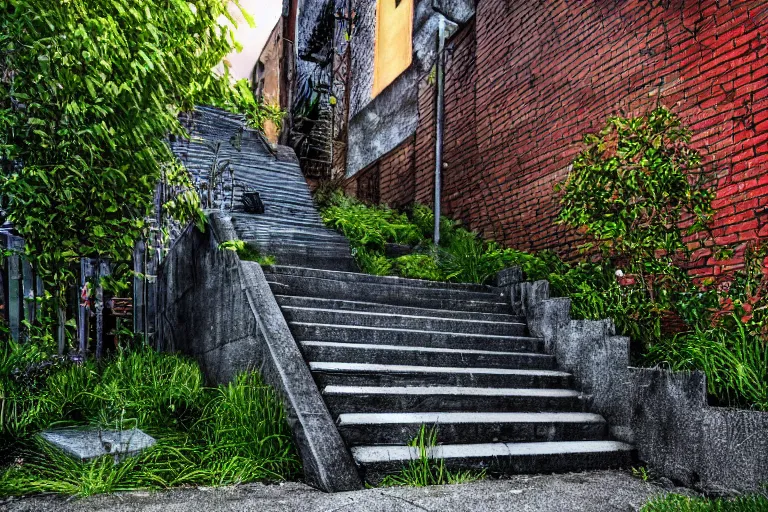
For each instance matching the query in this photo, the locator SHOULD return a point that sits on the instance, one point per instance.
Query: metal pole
(440, 114)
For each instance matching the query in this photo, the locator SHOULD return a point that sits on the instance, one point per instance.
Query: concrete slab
(92, 443)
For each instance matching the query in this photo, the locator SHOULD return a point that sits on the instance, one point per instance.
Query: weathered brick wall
(526, 81)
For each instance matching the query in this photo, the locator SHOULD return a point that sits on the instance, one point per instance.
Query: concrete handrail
(221, 310)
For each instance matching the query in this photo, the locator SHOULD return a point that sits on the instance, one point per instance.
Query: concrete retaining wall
(665, 414)
(221, 311)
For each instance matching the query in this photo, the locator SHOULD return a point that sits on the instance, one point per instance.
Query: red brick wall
(526, 81)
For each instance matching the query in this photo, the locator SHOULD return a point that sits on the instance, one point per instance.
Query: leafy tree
(89, 90)
(630, 189)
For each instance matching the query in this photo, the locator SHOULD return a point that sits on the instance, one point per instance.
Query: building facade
(525, 81)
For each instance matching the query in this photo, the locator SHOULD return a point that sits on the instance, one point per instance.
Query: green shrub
(418, 266)
(632, 183)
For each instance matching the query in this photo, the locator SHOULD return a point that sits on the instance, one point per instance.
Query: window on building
(393, 50)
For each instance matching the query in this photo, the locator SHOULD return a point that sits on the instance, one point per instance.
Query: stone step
(319, 262)
(377, 375)
(325, 351)
(389, 320)
(318, 288)
(362, 399)
(350, 305)
(471, 427)
(304, 331)
(356, 277)
(500, 458)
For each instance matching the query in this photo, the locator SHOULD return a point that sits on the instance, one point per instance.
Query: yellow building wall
(394, 46)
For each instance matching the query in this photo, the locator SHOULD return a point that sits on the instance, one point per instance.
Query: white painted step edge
(372, 454)
(384, 368)
(449, 418)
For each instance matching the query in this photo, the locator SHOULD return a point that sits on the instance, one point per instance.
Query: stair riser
(516, 464)
(442, 379)
(387, 280)
(339, 404)
(305, 332)
(330, 263)
(342, 305)
(392, 299)
(413, 358)
(356, 435)
(388, 294)
(400, 322)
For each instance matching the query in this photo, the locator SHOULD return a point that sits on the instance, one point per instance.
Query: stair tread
(449, 391)
(414, 311)
(421, 331)
(394, 315)
(385, 368)
(409, 348)
(444, 418)
(378, 453)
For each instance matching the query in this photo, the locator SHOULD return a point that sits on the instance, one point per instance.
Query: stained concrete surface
(597, 491)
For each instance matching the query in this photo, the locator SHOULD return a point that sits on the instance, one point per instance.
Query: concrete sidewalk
(572, 492)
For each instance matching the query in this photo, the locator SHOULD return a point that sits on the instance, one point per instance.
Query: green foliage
(735, 363)
(369, 227)
(629, 190)
(631, 185)
(418, 266)
(642, 473)
(729, 336)
(679, 503)
(230, 434)
(89, 90)
(247, 252)
(425, 469)
(462, 256)
(372, 262)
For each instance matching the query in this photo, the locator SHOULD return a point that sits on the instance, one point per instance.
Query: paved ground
(574, 492)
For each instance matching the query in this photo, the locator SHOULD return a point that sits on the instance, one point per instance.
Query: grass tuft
(426, 470)
(679, 503)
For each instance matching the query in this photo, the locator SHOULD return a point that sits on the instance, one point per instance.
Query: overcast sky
(265, 13)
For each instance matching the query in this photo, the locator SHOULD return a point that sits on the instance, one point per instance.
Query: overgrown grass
(462, 255)
(678, 503)
(205, 436)
(426, 470)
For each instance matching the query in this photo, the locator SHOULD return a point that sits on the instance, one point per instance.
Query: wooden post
(61, 333)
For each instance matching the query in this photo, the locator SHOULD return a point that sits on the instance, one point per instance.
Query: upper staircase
(290, 227)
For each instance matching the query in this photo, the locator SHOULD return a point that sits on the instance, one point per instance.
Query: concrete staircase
(389, 354)
(392, 354)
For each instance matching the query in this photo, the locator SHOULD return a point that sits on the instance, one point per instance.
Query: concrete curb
(221, 311)
(665, 414)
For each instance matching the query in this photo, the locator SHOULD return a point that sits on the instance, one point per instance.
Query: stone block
(89, 444)
(509, 276)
